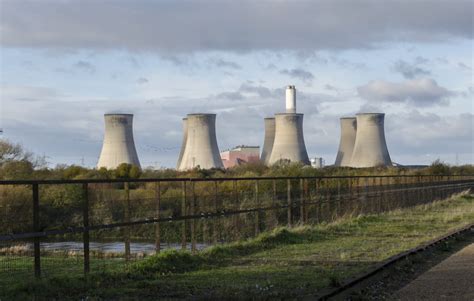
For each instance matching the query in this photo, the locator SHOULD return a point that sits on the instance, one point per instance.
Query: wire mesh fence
(53, 228)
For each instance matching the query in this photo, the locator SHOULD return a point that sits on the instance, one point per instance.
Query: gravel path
(452, 279)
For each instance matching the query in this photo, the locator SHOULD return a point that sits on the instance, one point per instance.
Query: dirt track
(452, 279)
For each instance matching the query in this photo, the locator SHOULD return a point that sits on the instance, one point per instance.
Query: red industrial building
(240, 155)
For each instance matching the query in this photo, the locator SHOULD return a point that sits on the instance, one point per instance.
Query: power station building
(240, 155)
(118, 146)
(288, 142)
(200, 149)
(363, 142)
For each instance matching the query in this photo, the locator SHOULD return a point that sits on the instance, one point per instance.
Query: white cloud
(420, 92)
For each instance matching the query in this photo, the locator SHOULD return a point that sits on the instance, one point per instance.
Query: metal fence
(54, 227)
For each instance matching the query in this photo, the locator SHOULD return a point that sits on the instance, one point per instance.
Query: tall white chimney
(291, 99)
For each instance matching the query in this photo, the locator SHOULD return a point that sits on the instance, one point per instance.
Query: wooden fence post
(193, 222)
(36, 228)
(288, 212)
(301, 202)
(85, 234)
(183, 213)
(216, 219)
(257, 213)
(157, 216)
(127, 220)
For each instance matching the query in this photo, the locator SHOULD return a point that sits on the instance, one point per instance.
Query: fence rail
(188, 211)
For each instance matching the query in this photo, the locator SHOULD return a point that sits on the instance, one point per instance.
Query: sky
(64, 63)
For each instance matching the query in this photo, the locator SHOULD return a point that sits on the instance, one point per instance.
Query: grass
(283, 263)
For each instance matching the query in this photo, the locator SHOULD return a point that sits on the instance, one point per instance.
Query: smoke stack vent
(291, 99)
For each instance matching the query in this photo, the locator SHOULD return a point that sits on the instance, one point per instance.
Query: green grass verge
(283, 263)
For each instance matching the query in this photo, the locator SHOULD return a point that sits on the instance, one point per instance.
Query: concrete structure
(317, 162)
(183, 143)
(240, 155)
(268, 140)
(346, 143)
(201, 148)
(290, 99)
(289, 141)
(370, 148)
(118, 146)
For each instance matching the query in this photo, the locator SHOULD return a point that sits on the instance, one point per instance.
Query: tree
(13, 152)
(127, 171)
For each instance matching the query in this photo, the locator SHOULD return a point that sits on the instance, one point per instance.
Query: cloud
(422, 92)
(411, 71)
(85, 66)
(428, 136)
(464, 66)
(225, 64)
(142, 80)
(300, 74)
(171, 26)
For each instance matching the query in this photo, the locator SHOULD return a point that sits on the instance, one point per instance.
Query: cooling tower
(183, 144)
(118, 146)
(290, 99)
(201, 144)
(370, 148)
(346, 144)
(268, 140)
(289, 140)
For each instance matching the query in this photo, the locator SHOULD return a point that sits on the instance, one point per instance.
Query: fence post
(193, 222)
(302, 204)
(216, 208)
(85, 221)
(183, 213)
(157, 216)
(36, 228)
(274, 203)
(307, 197)
(257, 213)
(288, 188)
(127, 220)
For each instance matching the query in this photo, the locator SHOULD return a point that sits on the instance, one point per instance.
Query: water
(113, 247)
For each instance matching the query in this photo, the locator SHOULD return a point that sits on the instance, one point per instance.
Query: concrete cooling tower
(289, 140)
(346, 144)
(268, 140)
(370, 148)
(118, 146)
(183, 144)
(201, 144)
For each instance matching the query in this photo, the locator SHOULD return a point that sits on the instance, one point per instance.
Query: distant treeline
(18, 164)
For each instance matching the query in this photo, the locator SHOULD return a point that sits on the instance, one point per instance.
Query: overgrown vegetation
(284, 263)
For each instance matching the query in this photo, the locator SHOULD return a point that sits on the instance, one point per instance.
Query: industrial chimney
(118, 146)
(291, 99)
(346, 144)
(289, 141)
(370, 148)
(201, 144)
(183, 143)
(268, 140)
